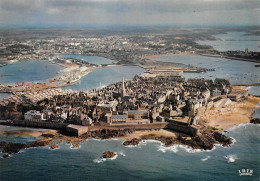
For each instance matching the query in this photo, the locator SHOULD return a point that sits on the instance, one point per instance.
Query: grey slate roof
(118, 116)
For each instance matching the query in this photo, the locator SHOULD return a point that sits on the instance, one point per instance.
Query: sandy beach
(139, 134)
(32, 133)
(232, 114)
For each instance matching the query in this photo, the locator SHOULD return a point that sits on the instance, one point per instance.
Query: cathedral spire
(123, 94)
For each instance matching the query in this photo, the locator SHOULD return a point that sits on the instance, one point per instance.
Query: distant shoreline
(227, 57)
(151, 57)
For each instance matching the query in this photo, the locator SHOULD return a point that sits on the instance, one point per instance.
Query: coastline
(227, 57)
(140, 134)
(151, 57)
(220, 119)
(243, 110)
(54, 82)
(232, 114)
(213, 121)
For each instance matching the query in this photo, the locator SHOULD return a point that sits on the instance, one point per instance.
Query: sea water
(102, 77)
(151, 160)
(237, 72)
(234, 41)
(11, 134)
(87, 58)
(26, 71)
(254, 90)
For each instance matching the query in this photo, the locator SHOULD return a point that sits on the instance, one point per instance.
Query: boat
(258, 65)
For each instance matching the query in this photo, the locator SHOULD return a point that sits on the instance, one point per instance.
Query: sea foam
(205, 159)
(238, 126)
(74, 148)
(231, 158)
(163, 148)
(121, 153)
(175, 148)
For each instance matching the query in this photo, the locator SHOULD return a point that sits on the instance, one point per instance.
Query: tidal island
(160, 106)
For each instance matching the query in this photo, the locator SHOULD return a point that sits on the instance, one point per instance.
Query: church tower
(123, 93)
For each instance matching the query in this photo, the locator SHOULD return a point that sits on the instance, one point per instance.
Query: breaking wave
(74, 148)
(231, 158)
(238, 126)
(121, 153)
(163, 148)
(175, 148)
(205, 159)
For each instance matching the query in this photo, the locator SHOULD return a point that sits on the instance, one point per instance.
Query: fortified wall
(36, 124)
(174, 126)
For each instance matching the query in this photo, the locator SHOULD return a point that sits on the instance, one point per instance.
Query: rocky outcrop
(48, 135)
(225, 141)
(255, 121)
(108, 154)
(107, 133)
(16, 147)
(75, 145)
(6, 155)
(54, 146)
(205, 140)
(11, 147)
(134, 142)
(167, 140)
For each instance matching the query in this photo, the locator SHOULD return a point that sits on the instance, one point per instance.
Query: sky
(129, 12)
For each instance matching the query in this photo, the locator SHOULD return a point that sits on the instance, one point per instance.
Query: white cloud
(133, 12)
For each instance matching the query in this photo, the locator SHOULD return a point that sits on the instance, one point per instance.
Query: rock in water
(75, 145)
(108, 154)
(16, 147)
(6, 155)
(54, 146)
(255, 121)
(134, 141)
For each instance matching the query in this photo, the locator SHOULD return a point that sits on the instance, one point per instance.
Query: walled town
(141, 101)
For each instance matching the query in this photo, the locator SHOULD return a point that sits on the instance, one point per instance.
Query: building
(237, 95)
(123, 94)
(216, 92)
(139, 117)
(76, 130)
(33, 115)
(118, 119)
(160, 119)
(138, 114)
(87, 121)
